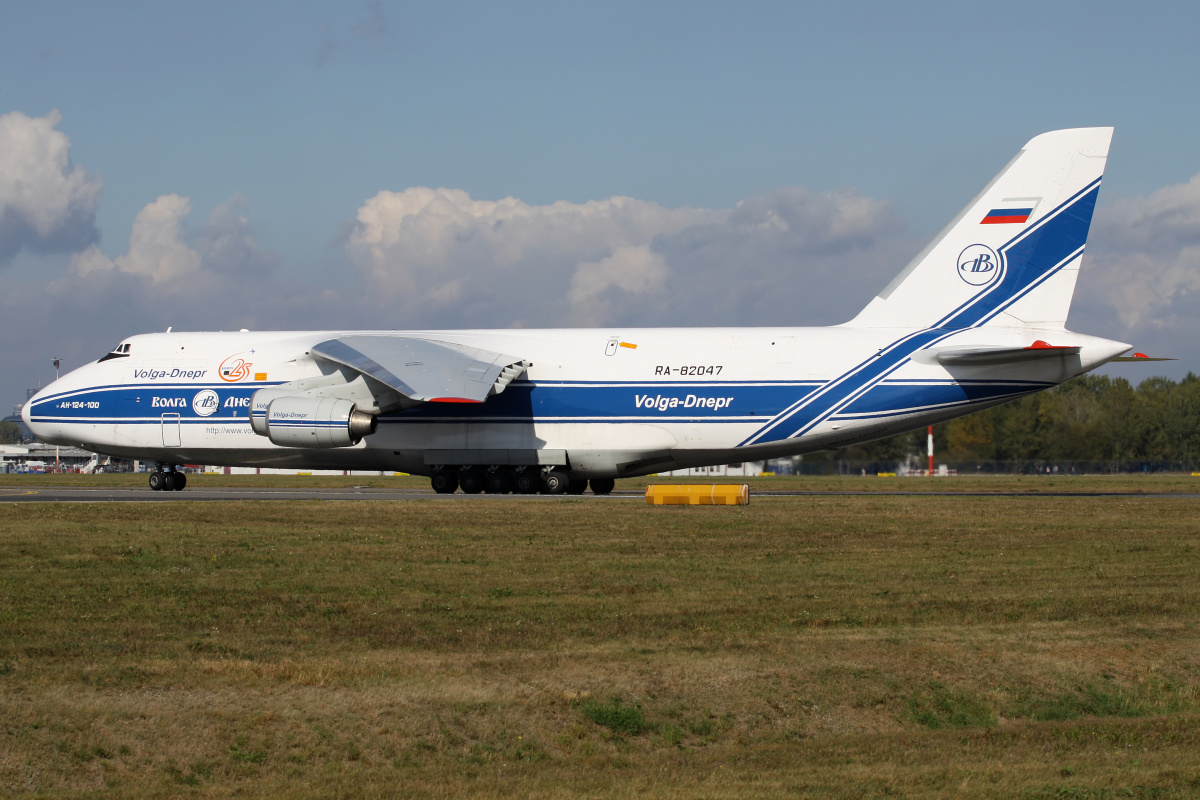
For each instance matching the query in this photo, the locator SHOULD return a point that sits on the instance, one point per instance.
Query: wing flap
(424, 369)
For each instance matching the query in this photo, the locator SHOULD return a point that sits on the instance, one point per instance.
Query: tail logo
(978, 265)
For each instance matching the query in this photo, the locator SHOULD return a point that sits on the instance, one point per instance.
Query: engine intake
(292, 421)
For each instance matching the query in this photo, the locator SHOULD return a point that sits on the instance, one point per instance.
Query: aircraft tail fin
(1012, 255)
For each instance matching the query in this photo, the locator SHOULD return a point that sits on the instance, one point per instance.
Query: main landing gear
(519, 480)
(165, 478)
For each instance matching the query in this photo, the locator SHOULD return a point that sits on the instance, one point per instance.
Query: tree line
(1090, 418)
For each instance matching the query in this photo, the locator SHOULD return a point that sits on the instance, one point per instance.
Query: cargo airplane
(976, 319)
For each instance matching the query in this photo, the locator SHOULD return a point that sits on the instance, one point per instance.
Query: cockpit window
(120, 351)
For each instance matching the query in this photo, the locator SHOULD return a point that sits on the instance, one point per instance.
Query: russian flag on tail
(1000, 216)
(1012, 209)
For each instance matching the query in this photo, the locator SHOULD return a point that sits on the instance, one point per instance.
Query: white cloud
(633, 269)
(227, 243)
(157, 246)
(441, 258)
(1143, 262)
(1162, 221)
(161, 249)
(45, 202)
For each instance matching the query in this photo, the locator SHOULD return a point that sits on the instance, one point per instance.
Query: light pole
(57, 464)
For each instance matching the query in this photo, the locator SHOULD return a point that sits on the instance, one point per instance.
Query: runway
(128, 495)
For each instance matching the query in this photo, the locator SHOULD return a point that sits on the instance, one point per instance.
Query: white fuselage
(599, 402)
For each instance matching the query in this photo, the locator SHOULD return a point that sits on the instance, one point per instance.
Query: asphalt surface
(127, 495)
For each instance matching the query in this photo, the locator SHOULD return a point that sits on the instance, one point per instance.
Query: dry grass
(810, 647)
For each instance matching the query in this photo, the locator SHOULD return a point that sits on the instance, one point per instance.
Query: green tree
(10, 433)
(971, 437)
(1183, 420)
(1090, 418)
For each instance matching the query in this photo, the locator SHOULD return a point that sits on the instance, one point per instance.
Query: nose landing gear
(166, 479)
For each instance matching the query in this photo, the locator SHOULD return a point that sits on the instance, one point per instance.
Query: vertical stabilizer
(1012, 255)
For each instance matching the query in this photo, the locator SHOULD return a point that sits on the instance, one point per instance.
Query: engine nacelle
(260, 401)
(295, 421)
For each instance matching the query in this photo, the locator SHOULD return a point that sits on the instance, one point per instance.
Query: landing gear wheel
(526, 482)
(180, 481)
(576, 485)
(156, 481)
(498, 481)
(444, 482)
(171, 482)
(555, 482)
(471, 481)
(603, 485)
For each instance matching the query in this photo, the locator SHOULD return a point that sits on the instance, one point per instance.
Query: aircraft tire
(444, 482)
(170, 481)
(180, 481)
(603, 485)
(156, 481)
(471, 481)
(526, 482)
(555, 482)
(576, 485)
(498, 481)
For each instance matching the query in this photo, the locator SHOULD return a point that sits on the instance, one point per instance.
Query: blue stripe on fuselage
(526, 402)
(134, 401)
(887, 397)
(523, 401)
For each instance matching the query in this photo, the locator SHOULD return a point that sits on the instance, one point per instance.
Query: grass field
(829, 647)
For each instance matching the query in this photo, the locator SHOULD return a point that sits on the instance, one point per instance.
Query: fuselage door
(170, 430)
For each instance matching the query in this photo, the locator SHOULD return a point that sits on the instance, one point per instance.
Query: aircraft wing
(425, 370)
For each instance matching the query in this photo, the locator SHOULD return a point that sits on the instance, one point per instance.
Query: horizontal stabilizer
(970, 356)
(1141, 357)
(423, 369)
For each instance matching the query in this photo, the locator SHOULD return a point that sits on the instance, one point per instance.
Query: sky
(302, 165)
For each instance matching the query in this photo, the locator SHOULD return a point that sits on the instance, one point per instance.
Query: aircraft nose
(27, 409)
(39, 429)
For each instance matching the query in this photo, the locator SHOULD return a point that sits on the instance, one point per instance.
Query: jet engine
(295, 421)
